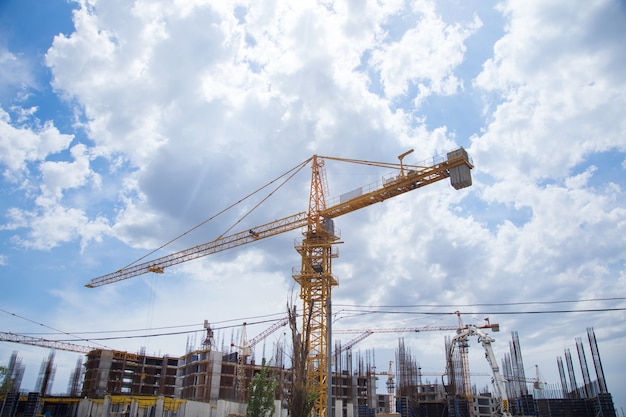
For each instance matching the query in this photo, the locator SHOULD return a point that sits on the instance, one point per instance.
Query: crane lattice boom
(218, 245)
(52, 344)
(409, 178)
(265, 333)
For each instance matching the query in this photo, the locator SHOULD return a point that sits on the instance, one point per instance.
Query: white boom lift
(498, 381)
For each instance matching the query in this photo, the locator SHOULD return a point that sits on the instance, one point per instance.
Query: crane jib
(158, 265)
(456, 166)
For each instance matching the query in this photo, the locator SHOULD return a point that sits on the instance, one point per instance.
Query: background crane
(391, 386)
(364, 333)
(245, 351)
(52, 344)
(498, 381)
(317, 246)
(460, 328)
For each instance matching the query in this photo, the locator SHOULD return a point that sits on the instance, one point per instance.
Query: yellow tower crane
(317, 248)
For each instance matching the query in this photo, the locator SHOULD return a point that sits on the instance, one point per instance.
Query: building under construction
(218, 380)
(211, 376)
(457, 397)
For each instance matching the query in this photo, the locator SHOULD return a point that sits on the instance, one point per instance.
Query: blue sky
(125, 124)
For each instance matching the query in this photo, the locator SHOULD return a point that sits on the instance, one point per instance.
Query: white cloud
(425, 57)
(188, 106)
(560, 105)
(15, 72)
(561, 98)
(21, 145)
(54, 225)
(61, 175)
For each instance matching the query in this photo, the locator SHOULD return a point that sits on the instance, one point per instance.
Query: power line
(442, 313)
(373, 309)
(176, 333)
(75, 338)
(585, 300)
(239, 321)
(428, 313)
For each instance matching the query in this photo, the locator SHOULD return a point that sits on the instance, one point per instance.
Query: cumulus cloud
(62, 175)
(22, 144)
(54, 226)
(27, 148)
(426, 55)
(182, 108)
(558, 87)
(15, 72)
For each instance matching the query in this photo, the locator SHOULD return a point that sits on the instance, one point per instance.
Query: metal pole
(329, 408)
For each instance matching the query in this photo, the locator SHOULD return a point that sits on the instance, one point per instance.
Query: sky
(126, 124)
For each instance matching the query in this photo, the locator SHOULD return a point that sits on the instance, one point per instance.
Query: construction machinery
(245, 351)
(498, 381)
(365, 333)
(41, 342)
(318, 246)
(391, 388)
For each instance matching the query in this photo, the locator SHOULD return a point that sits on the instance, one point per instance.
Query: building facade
(210, 376)
(109, 372)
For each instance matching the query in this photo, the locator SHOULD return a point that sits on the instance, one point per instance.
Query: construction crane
(391, 386)
(245, 351)
(317, 248)
(364, 333)
(354, 341)
(209, 340)
(52, 344)
(498, 381)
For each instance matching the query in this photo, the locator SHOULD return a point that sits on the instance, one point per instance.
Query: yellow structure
(317, 247)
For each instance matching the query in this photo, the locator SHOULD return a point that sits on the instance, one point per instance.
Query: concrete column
(158, 411)
(106, 407)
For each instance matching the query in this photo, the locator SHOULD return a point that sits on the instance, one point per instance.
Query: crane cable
(76, 338)
(293, 172)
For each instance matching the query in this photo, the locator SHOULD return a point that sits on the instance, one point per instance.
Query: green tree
(261, 393)
(302, 396)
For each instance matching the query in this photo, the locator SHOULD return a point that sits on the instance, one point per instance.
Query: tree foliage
(301, 398)
(261, 393)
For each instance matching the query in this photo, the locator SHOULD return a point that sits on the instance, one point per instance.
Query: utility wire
(175, 333)
(440, 313)
(485, 304)
(293, 171)
(344, 310)
(428, 313)
(75, 338)
(238, 320)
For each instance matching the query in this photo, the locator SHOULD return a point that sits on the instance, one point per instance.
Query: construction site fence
(34, 405)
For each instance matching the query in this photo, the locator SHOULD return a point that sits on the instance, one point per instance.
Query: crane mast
(316, 282)
(391, 389)
(318, 246)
